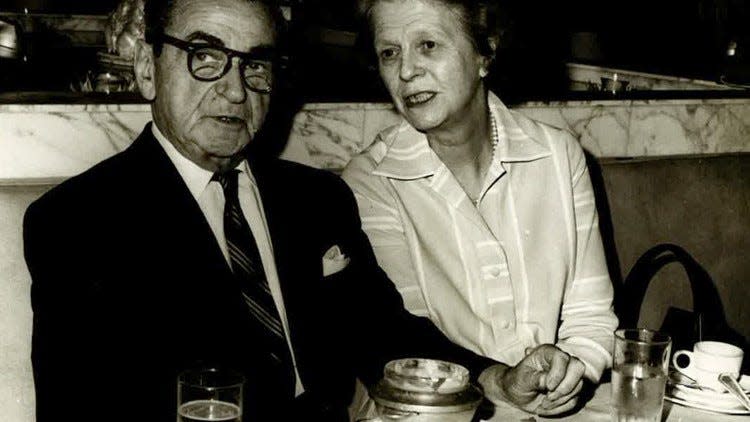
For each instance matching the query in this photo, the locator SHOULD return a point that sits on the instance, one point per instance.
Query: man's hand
(546, 382)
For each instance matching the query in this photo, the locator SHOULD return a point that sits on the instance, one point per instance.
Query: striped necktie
(247, 267)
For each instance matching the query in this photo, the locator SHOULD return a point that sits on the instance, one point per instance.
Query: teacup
(707, 361)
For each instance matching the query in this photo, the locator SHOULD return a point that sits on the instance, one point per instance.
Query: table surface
(598, 409)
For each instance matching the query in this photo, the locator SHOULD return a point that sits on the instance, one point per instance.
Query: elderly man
(189, 249)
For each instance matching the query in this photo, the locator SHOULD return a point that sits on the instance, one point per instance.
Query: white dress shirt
(210, 198)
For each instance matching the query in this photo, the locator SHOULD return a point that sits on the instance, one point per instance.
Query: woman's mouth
(418, 98)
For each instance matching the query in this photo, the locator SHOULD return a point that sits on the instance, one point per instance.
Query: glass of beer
(639, 375)
(209, 394)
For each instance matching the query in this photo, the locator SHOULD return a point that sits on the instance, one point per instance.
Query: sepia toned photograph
(374, 210)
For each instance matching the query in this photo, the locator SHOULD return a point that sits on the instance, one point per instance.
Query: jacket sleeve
(67, 355)
(385, 329)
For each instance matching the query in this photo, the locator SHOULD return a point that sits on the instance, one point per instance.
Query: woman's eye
(388, 53)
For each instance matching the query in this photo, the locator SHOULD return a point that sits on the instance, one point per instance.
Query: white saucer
(733, 411)
(707, 399)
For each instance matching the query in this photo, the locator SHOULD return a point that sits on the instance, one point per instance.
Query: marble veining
(59, 140)
(632, 128)
(62, 142)
(654, 129)
(340, 128)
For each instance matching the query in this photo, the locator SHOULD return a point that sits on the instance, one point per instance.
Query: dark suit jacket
(130, 287)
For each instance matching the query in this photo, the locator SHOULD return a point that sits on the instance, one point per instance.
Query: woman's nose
(411, 67)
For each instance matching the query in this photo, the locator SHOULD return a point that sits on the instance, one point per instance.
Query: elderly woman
(484, 219)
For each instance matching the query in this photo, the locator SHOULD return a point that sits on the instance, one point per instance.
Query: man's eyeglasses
(208, 62)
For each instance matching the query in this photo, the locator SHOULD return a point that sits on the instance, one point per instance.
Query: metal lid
(426, 386)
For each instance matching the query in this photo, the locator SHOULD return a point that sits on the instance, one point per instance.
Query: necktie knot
(228, 182)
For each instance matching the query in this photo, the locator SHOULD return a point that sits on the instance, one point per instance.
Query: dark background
(687, 38)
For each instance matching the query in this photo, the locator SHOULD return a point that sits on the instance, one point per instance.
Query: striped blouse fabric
(522, 267)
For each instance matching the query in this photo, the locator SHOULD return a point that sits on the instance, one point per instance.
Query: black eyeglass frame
(263, 54)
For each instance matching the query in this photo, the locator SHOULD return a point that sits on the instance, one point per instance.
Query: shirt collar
(195, 177)
(409, 155)
(519, 138)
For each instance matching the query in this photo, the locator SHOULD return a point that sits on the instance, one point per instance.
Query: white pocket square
(334, 261)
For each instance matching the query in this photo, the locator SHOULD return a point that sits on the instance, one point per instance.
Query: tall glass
(639, 375)
(209, 394)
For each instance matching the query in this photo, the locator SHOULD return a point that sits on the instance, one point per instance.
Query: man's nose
(232, 85)
(411, 66)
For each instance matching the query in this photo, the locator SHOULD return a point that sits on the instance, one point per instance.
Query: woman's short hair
(478, 19)
(157, 15)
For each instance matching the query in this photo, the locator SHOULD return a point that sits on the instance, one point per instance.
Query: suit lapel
(175, 208)
(301, 230)
(295, 244)
(273, 193)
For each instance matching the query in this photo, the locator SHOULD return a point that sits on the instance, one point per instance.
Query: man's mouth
(418, 98)
(230, 120)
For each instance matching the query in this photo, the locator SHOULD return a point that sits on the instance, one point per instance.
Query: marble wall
(652, 128)
(326, 136)
(52, 141)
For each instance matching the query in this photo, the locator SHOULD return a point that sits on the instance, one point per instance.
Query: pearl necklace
(495, 138)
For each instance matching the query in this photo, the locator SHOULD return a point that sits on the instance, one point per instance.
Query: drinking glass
(639, 375)
(209, 394)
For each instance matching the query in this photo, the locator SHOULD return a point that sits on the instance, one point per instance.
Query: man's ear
(144, 68)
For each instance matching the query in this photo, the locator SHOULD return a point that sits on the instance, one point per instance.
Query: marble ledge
(58, 140)
(587, 77)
